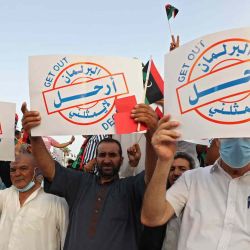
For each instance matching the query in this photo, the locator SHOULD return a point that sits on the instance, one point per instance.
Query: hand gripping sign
(77, 94)
(211, 86)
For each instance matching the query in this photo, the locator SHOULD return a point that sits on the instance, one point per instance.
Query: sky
(131, 28)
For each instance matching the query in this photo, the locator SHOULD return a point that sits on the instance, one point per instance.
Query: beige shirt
(217, 209)
(40, 224)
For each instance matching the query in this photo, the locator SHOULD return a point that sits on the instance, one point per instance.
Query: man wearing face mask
(215, 200)
(30, 218)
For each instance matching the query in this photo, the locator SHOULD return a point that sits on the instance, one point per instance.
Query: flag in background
(155, 84)
(171, 11)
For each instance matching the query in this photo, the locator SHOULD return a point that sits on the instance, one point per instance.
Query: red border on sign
(200, 77)
(189, 77)
(78, 83)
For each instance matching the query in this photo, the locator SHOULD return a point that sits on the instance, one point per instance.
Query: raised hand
(175, 43)
(72, 139)
(164, 138)
(134, 155)
(145, 114)
(30, 119)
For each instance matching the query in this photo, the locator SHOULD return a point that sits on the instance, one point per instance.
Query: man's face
(108, 159)
(21, 171)
(178, 167)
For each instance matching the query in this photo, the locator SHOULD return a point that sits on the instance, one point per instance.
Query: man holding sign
(215, 199)
(104, 210)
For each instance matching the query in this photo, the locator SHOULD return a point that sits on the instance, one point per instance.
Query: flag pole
(145, 88)
(139, 139)
(147, 78)
(171, 33)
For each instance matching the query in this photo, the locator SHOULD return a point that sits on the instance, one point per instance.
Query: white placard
(7, 131)
(207, 85)
(76, 94)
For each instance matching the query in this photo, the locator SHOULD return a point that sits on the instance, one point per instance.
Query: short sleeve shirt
(217, 209)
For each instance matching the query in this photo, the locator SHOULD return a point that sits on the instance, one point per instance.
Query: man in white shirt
(215, 199)
(29, 217)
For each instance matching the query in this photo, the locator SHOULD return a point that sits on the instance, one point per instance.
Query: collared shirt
(217, 209)
(40, 224)
(102, 216)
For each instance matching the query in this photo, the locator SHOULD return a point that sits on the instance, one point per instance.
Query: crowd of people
(188, 197)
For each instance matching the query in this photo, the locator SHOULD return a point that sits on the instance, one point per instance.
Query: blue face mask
(30, 185)
(26, 188)
(235, 152)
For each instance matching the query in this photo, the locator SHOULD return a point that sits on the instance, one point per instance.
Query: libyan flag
(155, 84)
(171, 11)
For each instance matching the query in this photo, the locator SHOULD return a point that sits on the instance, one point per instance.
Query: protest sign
(7, 131)
(208, 85)
(77, 94)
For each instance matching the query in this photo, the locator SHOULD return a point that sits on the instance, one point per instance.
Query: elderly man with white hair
(29, 217)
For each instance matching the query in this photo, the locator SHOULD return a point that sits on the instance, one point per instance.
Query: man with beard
(104, 210)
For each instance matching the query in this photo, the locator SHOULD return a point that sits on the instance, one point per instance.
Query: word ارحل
(97, 89)
(86, 113)
(218, 88)
(232, 111)
(236, 51)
